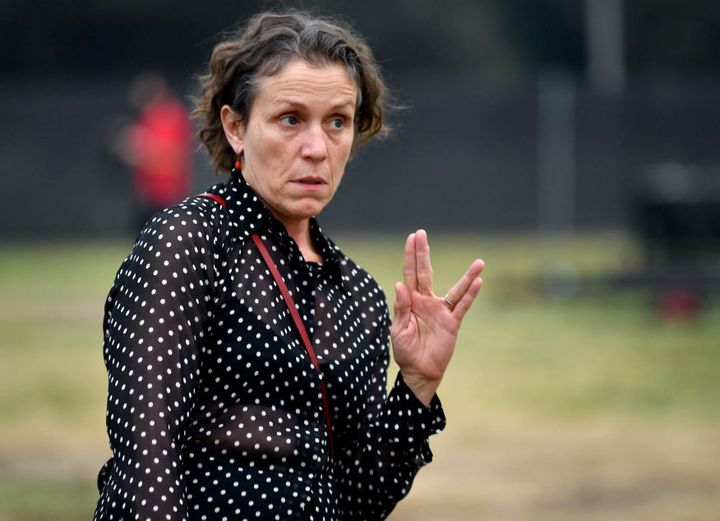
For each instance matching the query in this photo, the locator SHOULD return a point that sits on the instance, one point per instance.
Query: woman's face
(297, 138)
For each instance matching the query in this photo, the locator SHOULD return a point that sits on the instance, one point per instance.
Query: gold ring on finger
(449, 302)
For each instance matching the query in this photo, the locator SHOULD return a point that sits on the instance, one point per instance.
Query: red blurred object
(679, 304)
(161, 141)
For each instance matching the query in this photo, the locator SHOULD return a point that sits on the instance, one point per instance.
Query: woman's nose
(315, 143)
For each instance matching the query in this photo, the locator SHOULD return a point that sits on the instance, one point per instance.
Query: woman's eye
(338, 122)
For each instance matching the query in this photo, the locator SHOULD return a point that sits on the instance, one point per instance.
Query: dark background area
(465, 152)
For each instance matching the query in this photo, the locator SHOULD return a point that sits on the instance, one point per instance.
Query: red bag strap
(214, 197)
(290, 303)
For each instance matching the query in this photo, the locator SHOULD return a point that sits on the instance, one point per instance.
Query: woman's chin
(300, 213)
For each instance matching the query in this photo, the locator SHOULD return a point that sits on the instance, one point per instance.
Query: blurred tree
(663, 37)
(673, 37)
(451, 35)
(546, 33)
(493, 37)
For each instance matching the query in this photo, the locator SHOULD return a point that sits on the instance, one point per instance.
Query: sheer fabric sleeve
(154, 322)
(378, 469)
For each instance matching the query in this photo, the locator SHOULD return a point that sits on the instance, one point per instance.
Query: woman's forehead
(299, 80)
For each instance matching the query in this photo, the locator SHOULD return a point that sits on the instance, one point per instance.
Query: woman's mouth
(311, 181)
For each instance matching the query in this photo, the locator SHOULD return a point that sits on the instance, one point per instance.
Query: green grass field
(583, 408)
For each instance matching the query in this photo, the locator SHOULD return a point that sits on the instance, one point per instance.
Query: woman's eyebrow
(299, 103)
(349, 104)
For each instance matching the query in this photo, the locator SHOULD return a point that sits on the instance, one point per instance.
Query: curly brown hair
(260, 48)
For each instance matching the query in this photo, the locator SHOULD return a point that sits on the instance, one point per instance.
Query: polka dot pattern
(214, 409)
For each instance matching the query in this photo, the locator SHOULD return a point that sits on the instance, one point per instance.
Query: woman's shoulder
(194, 228)
(195, 216)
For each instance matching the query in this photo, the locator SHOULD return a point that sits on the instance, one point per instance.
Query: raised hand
(425, 327)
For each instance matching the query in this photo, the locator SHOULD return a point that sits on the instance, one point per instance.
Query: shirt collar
(335, 260)
(249, 214)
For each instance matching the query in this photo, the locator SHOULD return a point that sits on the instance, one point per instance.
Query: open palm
(425, 326)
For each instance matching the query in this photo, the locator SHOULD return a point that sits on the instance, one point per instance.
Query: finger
(402, 307)
(468, 298)
(456, 293)
(424, 267)
(409, 264)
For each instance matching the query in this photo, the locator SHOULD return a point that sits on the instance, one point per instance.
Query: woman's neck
(300, 232)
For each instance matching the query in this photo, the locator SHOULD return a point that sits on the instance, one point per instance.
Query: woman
(246, 354)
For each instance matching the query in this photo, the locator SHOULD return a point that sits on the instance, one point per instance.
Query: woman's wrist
(423, 388)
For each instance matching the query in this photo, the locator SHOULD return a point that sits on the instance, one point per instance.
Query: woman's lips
(312, 184)
(311, 181)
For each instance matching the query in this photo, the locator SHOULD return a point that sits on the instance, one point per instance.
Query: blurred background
(573, 144)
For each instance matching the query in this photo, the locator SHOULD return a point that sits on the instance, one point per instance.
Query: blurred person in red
(157, 146)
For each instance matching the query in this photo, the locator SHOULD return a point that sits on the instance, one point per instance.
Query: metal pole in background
(605, 45)
(556, 153)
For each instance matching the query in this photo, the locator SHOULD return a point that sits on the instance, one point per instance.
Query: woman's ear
(234, 128)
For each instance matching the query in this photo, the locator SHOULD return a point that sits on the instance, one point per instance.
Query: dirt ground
(609, 470)
(511, 469)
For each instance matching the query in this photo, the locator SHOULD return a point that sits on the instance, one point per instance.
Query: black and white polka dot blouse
(214, 408)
